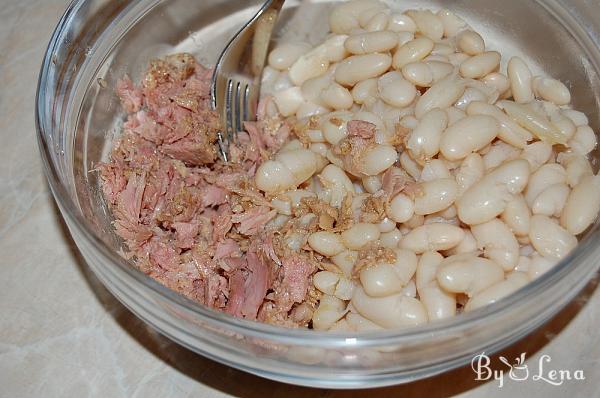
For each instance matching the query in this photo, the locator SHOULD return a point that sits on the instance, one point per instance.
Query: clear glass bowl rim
(455, 325)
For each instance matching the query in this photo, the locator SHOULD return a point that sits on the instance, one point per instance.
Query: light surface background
(62, 334)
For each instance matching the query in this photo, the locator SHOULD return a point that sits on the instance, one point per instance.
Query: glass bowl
(78, 114)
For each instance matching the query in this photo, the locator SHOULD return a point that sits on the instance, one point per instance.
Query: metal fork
(237, 77)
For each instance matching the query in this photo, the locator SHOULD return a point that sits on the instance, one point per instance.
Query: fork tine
(238, 107)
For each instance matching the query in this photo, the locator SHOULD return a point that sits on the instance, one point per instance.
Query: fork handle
(262, 35)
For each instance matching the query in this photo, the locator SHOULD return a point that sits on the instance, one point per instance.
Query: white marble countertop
(62, 334)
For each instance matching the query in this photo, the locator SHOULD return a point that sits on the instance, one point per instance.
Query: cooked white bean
(362, 67)
(337, 97)
(283, 56)
(288, 101)
(582, 205)
(539, 265)
(283, 205)
(551, 201)
(404, 37)
(437, 236)
(537, 153)
(498, 243)
(470, 42)
(457, 59)
(480, 65)
(439, 303)
(301, 162)
(365, 92)
(309, 109)
(498, 81)
(401, 23)
(312, 64)
(391, 239)
(360, 235)
(517, 215)
(488, 198)
(520, 78)
(382, 279)
(379, 22)
(511, 284)
(424, 140)
(439, 69)
(395, 311)
(413, 51)
(467, 273)
(470, 95)
(434, 169)
(429, 24)
(409, 165)
(560, 121)
(499, 153)
(551, 90)
(435, 195)
(471, 170)
(584, 141)
(418, 73)
(371, 184)
(415, 221)
(401, 208)
(427, 268)
(576, 165)
(441, 95)
(313, 88)
(547, 175)
(537, 123)
(510, 132)
(578, 118)
(467, 245)
(468, 135)
(334, 126)
(331, 309)
(326, 243)
(549, 238)
(442, 49)
(377, 159)
(345, 261)
(345, 17)
(395, 90)
(326, 281)
(371, 42)
(452, 23)
(273, 176)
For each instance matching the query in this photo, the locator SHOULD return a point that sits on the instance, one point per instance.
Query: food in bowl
(395, 176)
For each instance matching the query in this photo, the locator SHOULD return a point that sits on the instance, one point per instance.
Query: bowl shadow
(241, 384)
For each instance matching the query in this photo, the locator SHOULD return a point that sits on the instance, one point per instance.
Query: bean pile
(478, 178)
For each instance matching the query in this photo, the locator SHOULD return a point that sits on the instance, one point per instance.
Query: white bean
(334, 126)
(427, 268)
(288, 101)
(273, 176)
(413, 51)
(312, 64)
(498, 81)
(379, 22)
(395, 311)
(435, 195)
(584, 141)
(326, 281)
(283, 56)
(337, 97)
(418, 73)
(362, 67)
(509, 132)
(539, 265)
(576, 166)
(429, 24)
(377, 159)
(457, 59)
(470, 42)
(547, 175)
(578, 118)
(520, 78)
(326, 243)
(549, 238)
(471, 170)
(366, 91)
(467, 273)
(480, 65)
(330, 310)
(424, 141)
(409, 165)
(551, 201)
(517, 215)
(360, 235)
(511, 284)
(309, 109)
(467, 245)
(434, 169)
(391, 239)
(499, 153)
(582, 205)
(441, 95)
(551, 90)
(537, 153)
(395, 90)
(439, 303)
(301, 162)
(537, 123)
(345, 261)
(488, 198)
(437, 236)
(439, 69)
(371, 42)
(470, 95)
(401, 23)
(401, 208)
(382, 279)
(452, 23)
(498, 243)
(468, 135)
(345, 17)
(371, 184)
